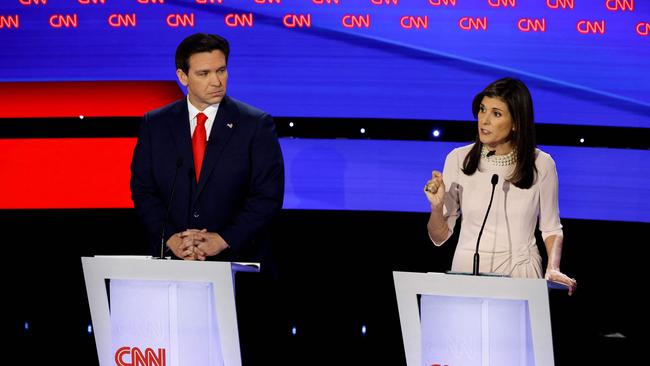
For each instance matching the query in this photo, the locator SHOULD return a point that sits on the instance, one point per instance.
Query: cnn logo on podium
(134, 356)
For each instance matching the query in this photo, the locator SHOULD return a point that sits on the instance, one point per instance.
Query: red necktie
(198, 143)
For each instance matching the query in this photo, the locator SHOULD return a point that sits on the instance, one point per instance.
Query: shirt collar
(210, 111)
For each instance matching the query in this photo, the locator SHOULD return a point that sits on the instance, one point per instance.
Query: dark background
(335, 276)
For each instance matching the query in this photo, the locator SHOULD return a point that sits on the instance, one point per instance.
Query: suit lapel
(179, 128)
(223, 127)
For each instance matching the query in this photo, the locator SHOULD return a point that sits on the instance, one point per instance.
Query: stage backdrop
(403, 60)
(586, 61)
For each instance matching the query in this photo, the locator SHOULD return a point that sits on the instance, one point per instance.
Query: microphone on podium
(495, 180)
(179, 163)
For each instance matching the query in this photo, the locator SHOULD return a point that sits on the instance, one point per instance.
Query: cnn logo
(133, 356)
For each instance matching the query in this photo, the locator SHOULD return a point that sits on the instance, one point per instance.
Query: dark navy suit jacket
(240, 189)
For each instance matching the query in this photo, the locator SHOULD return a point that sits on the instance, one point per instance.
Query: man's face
(206, 78)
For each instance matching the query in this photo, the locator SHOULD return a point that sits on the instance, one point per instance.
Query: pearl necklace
(499, 160)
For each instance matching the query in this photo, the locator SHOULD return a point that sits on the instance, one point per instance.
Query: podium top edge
(236, 266)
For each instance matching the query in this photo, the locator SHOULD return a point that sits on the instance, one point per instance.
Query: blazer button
(196, 215)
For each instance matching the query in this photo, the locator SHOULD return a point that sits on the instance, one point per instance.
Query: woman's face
(495, 125)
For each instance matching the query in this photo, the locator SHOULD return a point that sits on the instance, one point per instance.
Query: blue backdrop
(586, 62)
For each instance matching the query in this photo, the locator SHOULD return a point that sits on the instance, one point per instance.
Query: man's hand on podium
(207, 244)
(182, 245)
(194, 244)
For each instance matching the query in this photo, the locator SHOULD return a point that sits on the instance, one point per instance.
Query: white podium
(163, 312)
(474, 320)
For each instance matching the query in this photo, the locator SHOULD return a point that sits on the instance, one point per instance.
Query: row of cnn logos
(612, 5)
(350, 21)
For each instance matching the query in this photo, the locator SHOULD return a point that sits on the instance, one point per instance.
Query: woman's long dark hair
(516, 96)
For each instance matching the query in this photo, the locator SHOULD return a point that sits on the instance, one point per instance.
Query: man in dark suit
(207, 170)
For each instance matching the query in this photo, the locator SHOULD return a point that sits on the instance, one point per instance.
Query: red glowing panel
(65, 173)
(85, 98)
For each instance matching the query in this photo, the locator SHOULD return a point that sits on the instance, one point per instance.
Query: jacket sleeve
(145, 194)
(266, 189)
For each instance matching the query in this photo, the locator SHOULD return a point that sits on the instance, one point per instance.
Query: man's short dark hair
(197, 43)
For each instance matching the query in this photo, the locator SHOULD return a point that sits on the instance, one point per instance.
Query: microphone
(179, 163)
(490, 153)
(191, 175)
(495, 180)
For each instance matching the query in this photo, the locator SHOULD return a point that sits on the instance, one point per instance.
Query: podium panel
(162, 312)
(474, 320)
(475, 331)
(171, 321)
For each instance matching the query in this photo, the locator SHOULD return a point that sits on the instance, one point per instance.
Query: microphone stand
(179, 163)
(495, 180)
